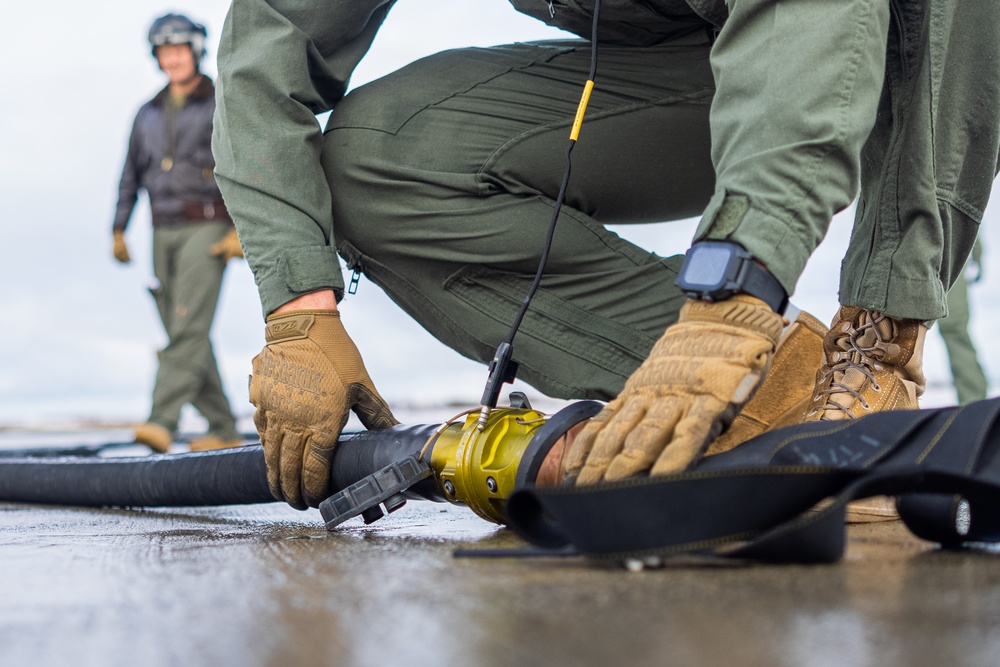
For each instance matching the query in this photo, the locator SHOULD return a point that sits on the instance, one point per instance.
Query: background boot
(208, 442)
(873, 363)
(154, 436)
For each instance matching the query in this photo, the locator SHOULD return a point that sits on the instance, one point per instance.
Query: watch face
(707, 265)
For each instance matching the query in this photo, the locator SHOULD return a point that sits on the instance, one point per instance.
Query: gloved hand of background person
(304, 382)
(228, 248)
(697, 377)
(120, 249)
(974, 271)
(974, 268)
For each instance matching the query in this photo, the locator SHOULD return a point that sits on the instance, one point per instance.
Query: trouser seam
(960, 204)
(588, 225)
(556, 316)
(846, 94)
(885, 208)
(544, 53)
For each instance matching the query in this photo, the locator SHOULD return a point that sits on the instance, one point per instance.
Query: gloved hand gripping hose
(477, 463)
(480, 469)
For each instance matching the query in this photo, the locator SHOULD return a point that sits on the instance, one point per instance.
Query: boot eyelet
(876, 387)
(865, 405)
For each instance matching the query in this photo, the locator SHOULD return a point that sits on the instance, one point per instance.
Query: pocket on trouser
(420, 298)
(386, 104)
(563, 349)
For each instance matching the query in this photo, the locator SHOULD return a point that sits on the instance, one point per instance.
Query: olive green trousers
(443, 177)
(190, 279)
(443, 174)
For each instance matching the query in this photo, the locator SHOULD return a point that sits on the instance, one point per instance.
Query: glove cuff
(741, 310)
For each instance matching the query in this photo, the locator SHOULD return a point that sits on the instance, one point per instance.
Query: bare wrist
(319, 300)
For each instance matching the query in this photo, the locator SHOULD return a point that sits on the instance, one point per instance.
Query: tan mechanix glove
(120, 249)
(304, 382)
(228, 248)
(699, 374)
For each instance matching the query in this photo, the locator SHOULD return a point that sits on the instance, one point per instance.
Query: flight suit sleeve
(282, 62)
(128, 186)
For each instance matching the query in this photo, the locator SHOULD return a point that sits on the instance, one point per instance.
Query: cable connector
(503, 370)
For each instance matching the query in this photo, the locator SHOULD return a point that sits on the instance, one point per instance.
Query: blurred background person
(170, 157)
(966, 370)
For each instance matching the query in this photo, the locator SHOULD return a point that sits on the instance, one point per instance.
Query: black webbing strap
(759, 501)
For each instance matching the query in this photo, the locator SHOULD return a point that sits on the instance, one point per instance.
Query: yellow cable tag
(580, 110)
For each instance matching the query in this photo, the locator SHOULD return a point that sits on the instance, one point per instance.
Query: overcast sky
(79, 331)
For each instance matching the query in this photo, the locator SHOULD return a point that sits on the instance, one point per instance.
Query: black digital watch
(716, 270)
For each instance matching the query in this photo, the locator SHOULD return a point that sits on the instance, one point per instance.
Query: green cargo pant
(443, 177)
(966, 371)
(190, 279)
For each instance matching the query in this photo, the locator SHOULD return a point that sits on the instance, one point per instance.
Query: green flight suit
(437, 181)
(168, 156)
(190, 279)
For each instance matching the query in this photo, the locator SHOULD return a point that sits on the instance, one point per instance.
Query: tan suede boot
(153, 436)
(208, 442)
(786, 393)
(873, 363)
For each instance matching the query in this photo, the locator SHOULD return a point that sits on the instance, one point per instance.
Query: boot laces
(862, 350)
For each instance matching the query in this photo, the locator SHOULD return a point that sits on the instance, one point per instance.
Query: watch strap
(758, 282)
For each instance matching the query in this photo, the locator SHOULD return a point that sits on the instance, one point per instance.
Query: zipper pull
(355, 279)
(552, 10)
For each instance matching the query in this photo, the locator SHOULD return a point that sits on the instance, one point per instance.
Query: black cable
(503, 368)
(550, 236)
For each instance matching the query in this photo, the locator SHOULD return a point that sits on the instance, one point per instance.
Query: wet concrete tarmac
(267, 585)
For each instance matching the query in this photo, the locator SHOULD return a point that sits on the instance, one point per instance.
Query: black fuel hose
(361, 454)
(235, 476)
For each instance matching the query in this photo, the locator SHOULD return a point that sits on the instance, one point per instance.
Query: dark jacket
(173, 164)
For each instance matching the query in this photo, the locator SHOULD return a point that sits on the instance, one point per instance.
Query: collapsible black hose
(235, 476)
(361, 454)
(222, 477)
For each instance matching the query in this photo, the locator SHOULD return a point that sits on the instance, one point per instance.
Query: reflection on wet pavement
(267, 585)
